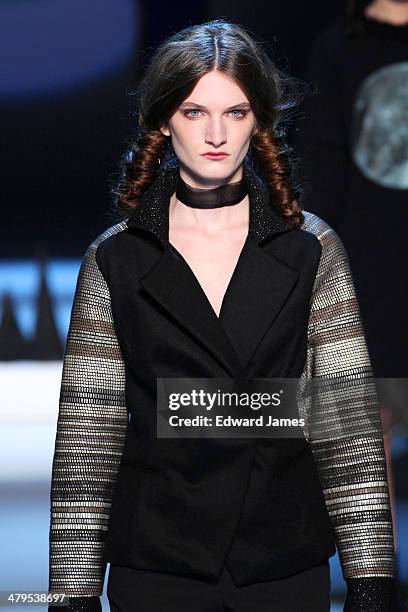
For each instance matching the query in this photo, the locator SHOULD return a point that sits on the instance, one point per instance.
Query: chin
(217, 169)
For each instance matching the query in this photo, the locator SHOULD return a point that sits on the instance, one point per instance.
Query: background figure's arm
(321, 136)
(345, 434)
(91, 429)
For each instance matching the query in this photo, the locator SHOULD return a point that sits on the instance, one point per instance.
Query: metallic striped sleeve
(344, 418)
(91, 428)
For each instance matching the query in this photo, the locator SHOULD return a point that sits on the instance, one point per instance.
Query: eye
(189, 115)
(241, 114)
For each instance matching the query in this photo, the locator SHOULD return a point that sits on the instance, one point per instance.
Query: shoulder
(314, 225)
(332, 247)
(319, 228)
(93, 250)
(334, 270)
(92, 260)
(104, 237)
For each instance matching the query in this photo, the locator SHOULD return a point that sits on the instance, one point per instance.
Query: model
(216, 272)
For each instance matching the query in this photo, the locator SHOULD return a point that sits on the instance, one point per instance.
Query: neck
(199, 182)
(209, 221)
(209, 209)
(388, 11)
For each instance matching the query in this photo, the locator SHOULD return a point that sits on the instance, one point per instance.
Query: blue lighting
(51, 45)
(20, 280)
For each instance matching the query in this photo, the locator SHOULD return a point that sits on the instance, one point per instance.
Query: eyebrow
(239, 105)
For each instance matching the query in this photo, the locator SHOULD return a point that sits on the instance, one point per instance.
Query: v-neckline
(257, 288)
(198, 284)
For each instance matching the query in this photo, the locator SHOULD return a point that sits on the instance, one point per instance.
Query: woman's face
(215, 118)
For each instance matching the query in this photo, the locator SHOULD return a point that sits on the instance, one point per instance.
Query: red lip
(218, 154)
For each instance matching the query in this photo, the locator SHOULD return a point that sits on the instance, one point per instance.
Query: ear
(165, 129)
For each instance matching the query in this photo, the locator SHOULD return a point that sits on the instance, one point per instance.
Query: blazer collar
(257, 292)
(152, 212)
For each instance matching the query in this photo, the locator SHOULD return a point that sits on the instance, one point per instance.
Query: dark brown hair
(171, 75)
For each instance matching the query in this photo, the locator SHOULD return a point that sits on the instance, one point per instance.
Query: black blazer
(266, 507)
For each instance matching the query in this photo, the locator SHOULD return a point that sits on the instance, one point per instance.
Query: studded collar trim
(152, 213)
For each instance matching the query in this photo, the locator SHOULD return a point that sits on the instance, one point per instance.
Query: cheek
(242, 135)
(185, 138)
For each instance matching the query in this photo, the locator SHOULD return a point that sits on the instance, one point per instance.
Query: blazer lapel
(173, 284)
(257, 293)
(258, 288)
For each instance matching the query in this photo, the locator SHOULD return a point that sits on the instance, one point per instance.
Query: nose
(216, 133)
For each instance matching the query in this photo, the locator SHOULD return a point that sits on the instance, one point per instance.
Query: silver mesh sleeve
(344, 425)
(91, 429)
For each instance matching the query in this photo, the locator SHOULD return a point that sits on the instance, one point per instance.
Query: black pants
(134, 590)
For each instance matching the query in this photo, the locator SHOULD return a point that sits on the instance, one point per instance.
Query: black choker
(226, 195)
